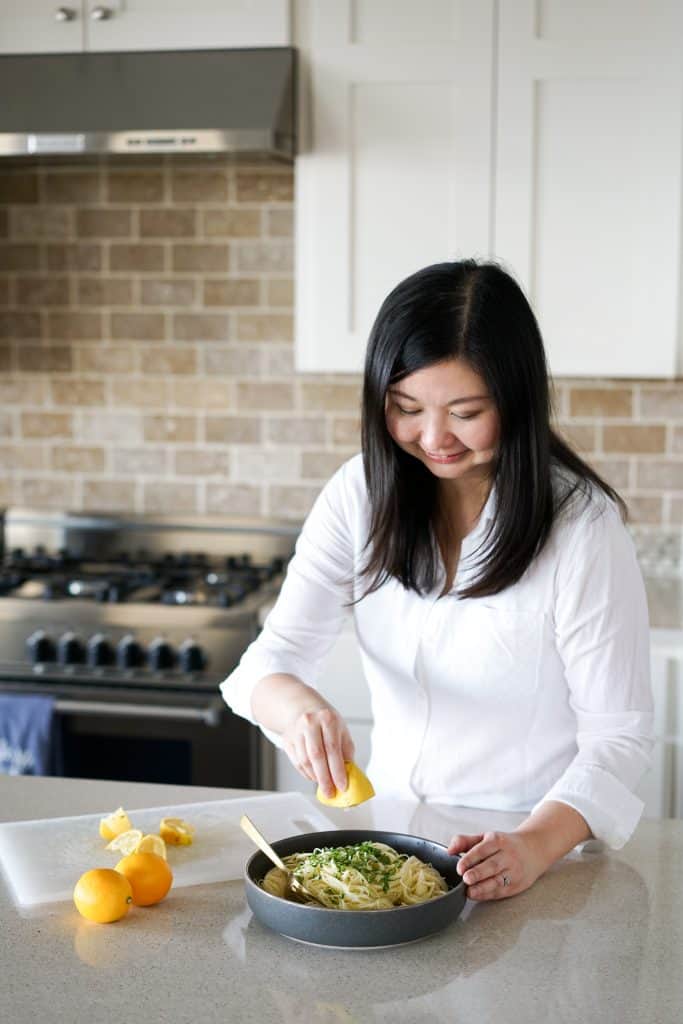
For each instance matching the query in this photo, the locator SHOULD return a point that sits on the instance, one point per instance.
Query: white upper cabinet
(395, 167)
(189, 24)
(40, 26)
(588, 178)
(544, 133)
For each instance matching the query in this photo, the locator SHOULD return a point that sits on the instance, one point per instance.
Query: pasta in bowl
(363, 876)
(377, 888)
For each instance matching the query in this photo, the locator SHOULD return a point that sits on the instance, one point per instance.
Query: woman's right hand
(317, 742)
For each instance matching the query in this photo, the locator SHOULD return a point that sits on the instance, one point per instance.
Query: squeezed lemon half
(133, 841)
(126, 842)
(152, 844)
(358, 789)
(114, 824)
(176, 832)
(125, 839)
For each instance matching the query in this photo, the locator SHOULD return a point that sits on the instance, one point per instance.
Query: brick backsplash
(146, 326)
(146, 363)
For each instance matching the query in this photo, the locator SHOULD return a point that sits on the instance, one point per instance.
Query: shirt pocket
(492, 651)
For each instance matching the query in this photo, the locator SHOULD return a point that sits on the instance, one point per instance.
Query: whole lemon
(149, 875)
(103, 895)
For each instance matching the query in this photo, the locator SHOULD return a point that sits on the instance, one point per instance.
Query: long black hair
(474, 311)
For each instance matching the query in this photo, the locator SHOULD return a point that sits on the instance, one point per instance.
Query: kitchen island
(599, 937)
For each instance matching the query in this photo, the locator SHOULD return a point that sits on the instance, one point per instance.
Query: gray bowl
(356, 929)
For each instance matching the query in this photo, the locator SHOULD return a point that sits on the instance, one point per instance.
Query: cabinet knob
(65, 14)
(101, 13)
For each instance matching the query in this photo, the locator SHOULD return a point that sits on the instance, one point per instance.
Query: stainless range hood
(194, 101)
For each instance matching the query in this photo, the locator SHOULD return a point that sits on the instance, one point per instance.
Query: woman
(497, 600)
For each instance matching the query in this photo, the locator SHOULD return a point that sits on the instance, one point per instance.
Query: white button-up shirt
(540, 692)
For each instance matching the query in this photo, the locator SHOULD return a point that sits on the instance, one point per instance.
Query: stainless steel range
(130, 624)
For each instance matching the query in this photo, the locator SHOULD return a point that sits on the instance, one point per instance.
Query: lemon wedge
(358, 789)
(126, 842)
(152, 844)
(114, 824)
(176, 832)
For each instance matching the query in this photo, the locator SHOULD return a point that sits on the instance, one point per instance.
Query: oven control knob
(100, 651)
(17, 557)
(70, 649)
(129, 653)
(41, 647)
(160, 655)
(192, 657)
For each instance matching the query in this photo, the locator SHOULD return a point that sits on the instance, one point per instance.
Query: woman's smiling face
(444, 416)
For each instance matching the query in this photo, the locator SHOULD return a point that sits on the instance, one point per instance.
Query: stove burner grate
(188, 578)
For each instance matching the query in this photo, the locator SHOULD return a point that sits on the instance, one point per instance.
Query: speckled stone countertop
(599, 937)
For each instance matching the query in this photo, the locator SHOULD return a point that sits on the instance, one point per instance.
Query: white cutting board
(42, 860)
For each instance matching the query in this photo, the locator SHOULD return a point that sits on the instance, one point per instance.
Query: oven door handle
(209, 715)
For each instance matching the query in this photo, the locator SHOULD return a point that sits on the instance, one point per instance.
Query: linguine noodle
(366, 876)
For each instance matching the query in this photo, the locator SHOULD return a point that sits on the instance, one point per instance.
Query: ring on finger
(505, 880)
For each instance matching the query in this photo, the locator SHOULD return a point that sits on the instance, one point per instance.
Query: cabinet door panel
(179, 25)
(588, 180)
(383, 22)
(398, 126)
(581, 20)
(657, 788)
(34, 26)
(396, 171)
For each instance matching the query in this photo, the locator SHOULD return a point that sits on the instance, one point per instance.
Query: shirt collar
(489, 510)
(486, 516)
(471, 545)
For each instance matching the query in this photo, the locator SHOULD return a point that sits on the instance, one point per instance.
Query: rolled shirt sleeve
(602, 635)
(311, 607)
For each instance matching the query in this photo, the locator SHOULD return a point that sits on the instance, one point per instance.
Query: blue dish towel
(28, 735)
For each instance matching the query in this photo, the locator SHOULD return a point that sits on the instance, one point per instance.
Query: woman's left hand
(496, 865)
